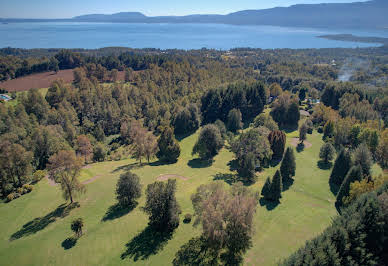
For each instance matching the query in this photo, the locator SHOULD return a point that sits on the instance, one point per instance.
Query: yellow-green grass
(306, 208)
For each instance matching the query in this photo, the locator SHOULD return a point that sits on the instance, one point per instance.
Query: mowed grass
(306, 208)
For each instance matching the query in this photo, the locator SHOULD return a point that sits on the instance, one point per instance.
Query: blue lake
(169, 36)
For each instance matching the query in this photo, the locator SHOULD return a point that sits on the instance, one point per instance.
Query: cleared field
(39, 226)
(41, 80)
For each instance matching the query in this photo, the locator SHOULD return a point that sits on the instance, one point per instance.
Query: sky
(71, 8)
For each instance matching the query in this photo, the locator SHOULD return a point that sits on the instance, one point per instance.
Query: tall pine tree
(288, 166)
(266, 190)
(354, 174)
(341, 167)
(276, 187)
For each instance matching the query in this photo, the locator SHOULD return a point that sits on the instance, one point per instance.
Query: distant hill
(371, 14)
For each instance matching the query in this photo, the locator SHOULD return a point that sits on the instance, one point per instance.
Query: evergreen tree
(277, 139)
(293, 114)
(327, 152)
(363, 157)
(162, 206)
(234, 120)
(341, 167)
(354, 174)
(209, 142)
(276, 187)
(169, 149)
(328, 129)
(247, 166)
(266, 190)
(288, 166)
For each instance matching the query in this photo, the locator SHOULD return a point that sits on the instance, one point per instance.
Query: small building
(5, 97)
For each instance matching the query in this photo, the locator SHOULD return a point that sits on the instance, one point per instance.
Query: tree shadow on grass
(233, 165)
(160, 163)
(69, 242)
(275, 162)
(116, 211)
(287, 183)
(41, 223)
(127, 167)
(181, 137)
(323, 165)
(148, 242)
(334, 188)
(269, 204)
(196, 252)
(300, 147)
(200, 163)
(232, 178)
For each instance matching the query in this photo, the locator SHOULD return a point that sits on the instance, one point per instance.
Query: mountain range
(371, 14)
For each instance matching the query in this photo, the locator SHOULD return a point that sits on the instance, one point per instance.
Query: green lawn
(305, 210)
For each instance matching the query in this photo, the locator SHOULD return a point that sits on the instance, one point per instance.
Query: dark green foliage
(247, 165)
(356, 237)
(277, 139)
(76, 226)
(275, 192)
(302, 133)
(128, 189)
(187, 120)
(209, 142)
(341, 167)
(234, 122)
(285, 111)
(169, 149)
(252, 141)
(328, 130)
(293, 114)
(266, 190)
(363, 157)
(288, 166)
(99, 153)
(354, 174)
(327, 152)
(161, 206)
(248, 98)
(221, 126)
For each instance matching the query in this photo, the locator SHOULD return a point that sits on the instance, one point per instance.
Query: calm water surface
(168, 36)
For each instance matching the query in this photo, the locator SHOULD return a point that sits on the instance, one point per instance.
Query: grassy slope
(305, 210)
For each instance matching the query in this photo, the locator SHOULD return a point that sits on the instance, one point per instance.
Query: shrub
(10, 197)
(320, 130)
(20, 190)
(187, 218)
(38, 175)
(28, 188)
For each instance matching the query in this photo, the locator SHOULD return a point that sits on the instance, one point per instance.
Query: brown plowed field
(41, 80)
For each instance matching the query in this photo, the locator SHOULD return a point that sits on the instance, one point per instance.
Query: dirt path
(169, 176)
(295, 141)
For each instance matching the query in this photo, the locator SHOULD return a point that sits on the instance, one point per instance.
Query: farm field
(35, 226)
(41, 80)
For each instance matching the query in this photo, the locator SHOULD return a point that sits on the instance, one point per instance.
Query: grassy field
(38, 224)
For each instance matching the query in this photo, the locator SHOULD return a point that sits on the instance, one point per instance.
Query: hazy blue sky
(70, 8)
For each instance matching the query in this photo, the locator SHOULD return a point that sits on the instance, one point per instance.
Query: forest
(252, 105)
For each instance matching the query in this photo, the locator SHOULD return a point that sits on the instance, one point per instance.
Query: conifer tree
(169, 149)
(341, 167)
(354, 174)
(288, 166)
(277, 139)
(327, 152)
(266, 190)
(276, 187)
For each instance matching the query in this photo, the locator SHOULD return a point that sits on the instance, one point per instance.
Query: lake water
(168, 36)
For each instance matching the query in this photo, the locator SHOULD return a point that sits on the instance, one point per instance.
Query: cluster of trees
(252, 150)
(272, 189)
(358, 236)
(226, 218)
(247, 98)
(285, 110)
